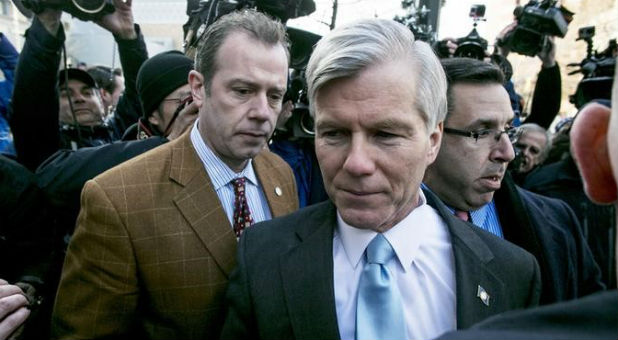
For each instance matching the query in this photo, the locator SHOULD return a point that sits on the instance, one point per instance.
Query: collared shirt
(221, 175)
(486, 217)
(424, 269)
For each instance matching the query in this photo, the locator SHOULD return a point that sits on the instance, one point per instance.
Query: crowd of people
(145, 202)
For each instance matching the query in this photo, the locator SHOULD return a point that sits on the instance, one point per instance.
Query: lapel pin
(483, 295)
(278, 191)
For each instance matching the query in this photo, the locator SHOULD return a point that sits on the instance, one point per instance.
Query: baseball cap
(77, 74)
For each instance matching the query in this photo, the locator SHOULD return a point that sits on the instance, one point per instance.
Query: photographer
(548, 88)
(78, 109)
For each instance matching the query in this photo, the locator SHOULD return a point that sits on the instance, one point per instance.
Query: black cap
(77, 74)
(161, 75)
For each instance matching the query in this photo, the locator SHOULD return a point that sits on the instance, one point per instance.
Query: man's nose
(78, 97)
(359, 161)
(503, 150)
(261, 107)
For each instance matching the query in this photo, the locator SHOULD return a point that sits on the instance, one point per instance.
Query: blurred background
(161, 22)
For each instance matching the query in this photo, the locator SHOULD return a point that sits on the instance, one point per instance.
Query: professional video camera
(300, 124)
(208, 11)
(535, 22)
(597, 68)
(473, 45)
(81, 9)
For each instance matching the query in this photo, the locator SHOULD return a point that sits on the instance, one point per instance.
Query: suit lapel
(307, 274)
(279, 200)
(200, 205)
(471, 270)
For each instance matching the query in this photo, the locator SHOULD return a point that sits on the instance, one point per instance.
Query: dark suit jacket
(283, 285)
(592, 317)
(153, 248)
(549, 229)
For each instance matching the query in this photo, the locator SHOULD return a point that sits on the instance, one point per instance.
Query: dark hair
(256, 24)
(469, 71)
(105, 77)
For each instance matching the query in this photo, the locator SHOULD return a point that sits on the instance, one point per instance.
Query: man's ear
(196, 82)
(589, 148)
(435, 140)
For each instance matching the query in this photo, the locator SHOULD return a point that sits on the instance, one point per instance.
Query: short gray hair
(348, 50)
(256, 24)
(533, 127)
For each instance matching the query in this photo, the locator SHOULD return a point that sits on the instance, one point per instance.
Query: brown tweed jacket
(153, 248)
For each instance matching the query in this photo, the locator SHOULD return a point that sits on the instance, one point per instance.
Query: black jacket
(562, 180)
(594, 317)
(546, 98)
(283, 285)
(549, 229)
(34, 111)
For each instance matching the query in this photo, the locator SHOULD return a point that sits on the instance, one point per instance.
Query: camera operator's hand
(445, 48)
(13, 309)
(120, 22)
(548, 53)
(50, 18)
(503, 49)
(185, 119)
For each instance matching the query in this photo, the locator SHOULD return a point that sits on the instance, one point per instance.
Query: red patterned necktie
(462, 215)
(242, 215)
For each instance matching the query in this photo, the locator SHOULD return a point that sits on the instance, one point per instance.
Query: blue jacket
(8, 62)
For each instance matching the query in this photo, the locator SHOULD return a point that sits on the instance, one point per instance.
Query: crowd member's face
(163, 115)
(466, 172)
(373, 145)
(87, 104)
(238, 115)
(531, 144)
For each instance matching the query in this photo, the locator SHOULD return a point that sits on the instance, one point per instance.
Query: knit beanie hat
(161, 75)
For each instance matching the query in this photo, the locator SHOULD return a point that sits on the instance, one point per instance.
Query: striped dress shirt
(486, 217)
(221, 175)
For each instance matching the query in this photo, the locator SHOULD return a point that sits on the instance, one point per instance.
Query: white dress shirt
(221, 175)
(424, 269)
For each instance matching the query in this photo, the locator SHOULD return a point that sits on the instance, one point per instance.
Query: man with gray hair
(381, 259)
(533, 146)
(156, 236)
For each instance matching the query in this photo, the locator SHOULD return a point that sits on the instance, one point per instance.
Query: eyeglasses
(180, 100)
(513, 133)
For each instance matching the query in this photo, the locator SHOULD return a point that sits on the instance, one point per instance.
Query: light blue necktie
(379, 311)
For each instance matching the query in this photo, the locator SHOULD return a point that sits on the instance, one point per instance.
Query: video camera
(208, 11)
(300, 125)
(535, 22)
(473, 45)
(597, 68)
(85, 10)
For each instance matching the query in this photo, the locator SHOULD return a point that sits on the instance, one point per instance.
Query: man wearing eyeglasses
(471, 167)
(164, 92)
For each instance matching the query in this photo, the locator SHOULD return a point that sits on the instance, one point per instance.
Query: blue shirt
(221, 175)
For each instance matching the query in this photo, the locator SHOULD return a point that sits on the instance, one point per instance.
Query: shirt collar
(405, 237)
(220, 174)
(477, 216)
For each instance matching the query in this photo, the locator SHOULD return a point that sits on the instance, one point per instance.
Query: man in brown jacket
(156, 236)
